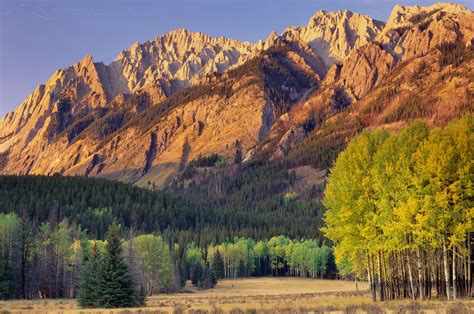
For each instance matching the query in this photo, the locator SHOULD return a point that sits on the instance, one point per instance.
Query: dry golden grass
(258, 295)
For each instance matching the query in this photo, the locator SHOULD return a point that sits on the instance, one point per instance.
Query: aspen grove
(400, 209)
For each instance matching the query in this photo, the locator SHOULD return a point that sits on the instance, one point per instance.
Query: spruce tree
(6, 280)
(197, 274)
(208, 278)
(212, 278)
(90, 283)
(217, 265)
(116, 282)
(183, 273)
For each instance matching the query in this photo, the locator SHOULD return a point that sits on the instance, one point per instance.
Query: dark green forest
(251, 203)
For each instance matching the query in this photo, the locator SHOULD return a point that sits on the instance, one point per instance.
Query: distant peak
(333, 14)
(87, 59)
(273, 35)
(272, 40)
(401, 15)
(338, 17)
(179, 31)
(183, 32)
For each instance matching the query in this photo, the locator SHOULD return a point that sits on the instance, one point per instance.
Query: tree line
(60, 260)
(400, 209)
(277, 256)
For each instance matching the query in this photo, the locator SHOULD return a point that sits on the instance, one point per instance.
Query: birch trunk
(371, 279)
(420, 273)
(455, 287)
(469, 263)
(446, 270)
(410, 276)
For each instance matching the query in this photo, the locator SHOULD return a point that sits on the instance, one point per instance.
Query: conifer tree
(90, 284)
(197, 274)
(208, 278)
(183, 272)
(6, 280)
(217, 265)
(116, 282)
(212, 278)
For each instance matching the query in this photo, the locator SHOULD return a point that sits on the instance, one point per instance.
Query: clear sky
(39, 36)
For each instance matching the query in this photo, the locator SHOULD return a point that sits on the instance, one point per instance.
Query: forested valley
(399, 215)
(182, 232)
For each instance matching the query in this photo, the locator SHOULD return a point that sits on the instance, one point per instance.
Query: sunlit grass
(257, 295)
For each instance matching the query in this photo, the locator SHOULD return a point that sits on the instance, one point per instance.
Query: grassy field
(258, 295)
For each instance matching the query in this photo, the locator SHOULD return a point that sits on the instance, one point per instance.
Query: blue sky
(37, 37)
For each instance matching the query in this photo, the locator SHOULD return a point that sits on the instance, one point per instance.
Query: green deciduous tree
(398, 202)
(154, 261)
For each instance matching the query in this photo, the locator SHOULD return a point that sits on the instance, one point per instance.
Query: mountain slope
(298, 96)
(422, 70)
(157, 68)
(137, 120)
(237, 107)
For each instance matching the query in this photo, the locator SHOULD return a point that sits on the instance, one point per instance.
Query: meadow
(257, 295)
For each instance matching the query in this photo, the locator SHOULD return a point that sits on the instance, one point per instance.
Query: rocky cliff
(162, 103)
(420, 66)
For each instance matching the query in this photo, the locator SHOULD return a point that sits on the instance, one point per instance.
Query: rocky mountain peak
(332, 35)
(407, 16)
(179, 58)
(87, 60)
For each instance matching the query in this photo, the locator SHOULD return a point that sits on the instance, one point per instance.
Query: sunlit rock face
(411, 32)
(164, 102)
(418, 66)
(178, 58)
(333, 35)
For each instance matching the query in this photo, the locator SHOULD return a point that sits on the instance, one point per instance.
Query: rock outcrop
(411, 32)
(418, 67)
(333, 35)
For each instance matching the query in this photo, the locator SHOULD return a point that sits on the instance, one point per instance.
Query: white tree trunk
(446, 270)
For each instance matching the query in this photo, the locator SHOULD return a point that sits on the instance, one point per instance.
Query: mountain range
(296, 97)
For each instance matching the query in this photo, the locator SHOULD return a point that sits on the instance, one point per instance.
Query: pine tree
(116, 283)
(238, 153)
(90, 283)
(212, 278)
(183, 273)
(218, 265)
(197, 274)
(6, 280)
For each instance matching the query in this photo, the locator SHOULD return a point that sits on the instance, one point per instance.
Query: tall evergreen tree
(7, 283)
(208, 278)
(116, 282)
(218, 265)
(90, 283)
